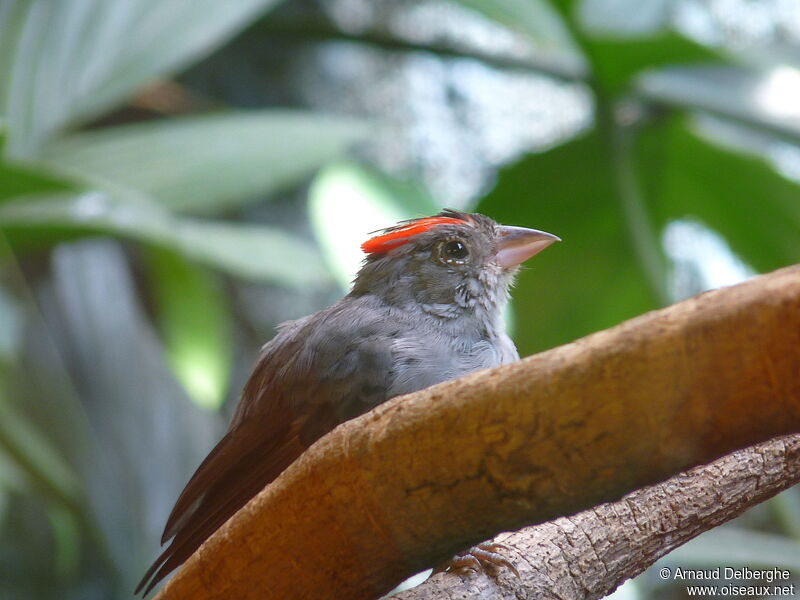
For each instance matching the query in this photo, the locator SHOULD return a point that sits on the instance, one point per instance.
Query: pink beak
(518, 244)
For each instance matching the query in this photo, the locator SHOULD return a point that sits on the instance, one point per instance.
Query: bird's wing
(301, 388)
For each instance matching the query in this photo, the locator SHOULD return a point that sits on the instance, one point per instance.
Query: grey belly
(418, 366)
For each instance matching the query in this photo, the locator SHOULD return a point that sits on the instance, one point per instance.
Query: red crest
(401, 234)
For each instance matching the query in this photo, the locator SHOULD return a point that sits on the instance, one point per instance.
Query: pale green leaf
(736, 547)
(537, 21)
(11, 321)
(767, 99)
(33, 455)
(12, 15)
(17, 179)
(624, 18)
(252, 252)
(740, 197)
(195, 324)
(208, 163)
(75, 60)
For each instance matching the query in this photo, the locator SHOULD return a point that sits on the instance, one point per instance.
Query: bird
(426, 306)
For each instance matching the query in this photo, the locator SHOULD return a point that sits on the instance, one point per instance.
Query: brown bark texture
(426, 475)
(586, 556)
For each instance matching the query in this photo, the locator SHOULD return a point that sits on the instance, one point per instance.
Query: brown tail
(241, 465)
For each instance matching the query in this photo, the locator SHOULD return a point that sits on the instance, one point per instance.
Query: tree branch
(423, 476)
(588, 555)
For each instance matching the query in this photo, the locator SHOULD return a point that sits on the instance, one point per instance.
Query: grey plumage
(418, 314)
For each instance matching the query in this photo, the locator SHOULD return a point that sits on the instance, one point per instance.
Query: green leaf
(348, 201)
(11, 322)
(537, 21)
(31, 453)
(623, 18)
(252, 252)
(732, 546)
(756, 210)
(786, 510)
(615, 62)
(208, 163)
(12, 17)
(67, 538)
(590, 281)
(766, 100)
(74, 60)
(195, 323)
(17, 179)
(131, 403)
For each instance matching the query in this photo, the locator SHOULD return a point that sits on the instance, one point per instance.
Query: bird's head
(448, 264)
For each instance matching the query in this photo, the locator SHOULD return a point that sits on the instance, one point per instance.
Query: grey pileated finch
(426, 306)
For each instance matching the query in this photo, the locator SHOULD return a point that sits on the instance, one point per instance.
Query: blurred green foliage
(152, 235)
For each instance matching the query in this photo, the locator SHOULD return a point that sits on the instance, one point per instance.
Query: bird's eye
(452, 252)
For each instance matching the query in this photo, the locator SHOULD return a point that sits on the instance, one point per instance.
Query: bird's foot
(478, 558)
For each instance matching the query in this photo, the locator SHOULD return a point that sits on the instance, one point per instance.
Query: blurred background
(177, 177)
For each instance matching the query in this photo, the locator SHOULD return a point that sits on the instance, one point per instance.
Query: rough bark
(586, 556)
(423, 476)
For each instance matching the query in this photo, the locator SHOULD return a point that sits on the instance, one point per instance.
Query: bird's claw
(478, 558)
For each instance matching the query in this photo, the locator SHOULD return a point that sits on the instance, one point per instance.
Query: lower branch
(587, 555)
